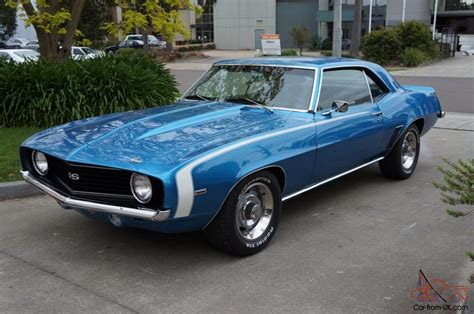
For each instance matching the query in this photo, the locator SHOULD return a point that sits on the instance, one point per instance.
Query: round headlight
(40, 163)
(141, 187)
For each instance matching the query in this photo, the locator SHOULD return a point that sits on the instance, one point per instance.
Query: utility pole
(370, 16)
(434, 18)
(403, 10)
(337, 29)
(356, 28)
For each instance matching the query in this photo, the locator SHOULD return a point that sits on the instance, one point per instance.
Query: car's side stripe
(184, 178)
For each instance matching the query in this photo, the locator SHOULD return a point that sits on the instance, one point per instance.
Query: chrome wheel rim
(409, 150)
(254, 211)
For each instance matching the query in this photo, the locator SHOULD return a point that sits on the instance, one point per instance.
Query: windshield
(27, 54)
(134, 37)
(264, 85)
(88, 51)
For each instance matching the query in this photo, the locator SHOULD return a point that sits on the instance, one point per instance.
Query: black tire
(393, 165)
(224, 232)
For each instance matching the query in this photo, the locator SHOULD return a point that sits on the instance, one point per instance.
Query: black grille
(93, 183)
(92, 179)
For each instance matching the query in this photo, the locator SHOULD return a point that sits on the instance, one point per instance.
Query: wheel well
(279, 174)
(420, 123)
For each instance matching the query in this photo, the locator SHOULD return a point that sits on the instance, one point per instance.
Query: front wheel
(401, 162)
(249, 217)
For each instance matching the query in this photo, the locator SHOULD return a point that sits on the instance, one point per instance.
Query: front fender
(293, 152)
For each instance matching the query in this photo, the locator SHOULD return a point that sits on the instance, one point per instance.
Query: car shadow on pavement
(156, 246)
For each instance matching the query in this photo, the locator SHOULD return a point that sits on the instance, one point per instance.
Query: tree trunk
(48, 41)
(146, 45)
(356, 28)
(337, 29)
(71, 29)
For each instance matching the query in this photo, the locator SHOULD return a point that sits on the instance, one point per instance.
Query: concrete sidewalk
(459, 66)
(196, 64)
(457, 121)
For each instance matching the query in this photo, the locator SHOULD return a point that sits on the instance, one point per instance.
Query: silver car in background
(19, 55)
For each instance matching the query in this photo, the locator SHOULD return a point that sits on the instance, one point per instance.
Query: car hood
(157, 140)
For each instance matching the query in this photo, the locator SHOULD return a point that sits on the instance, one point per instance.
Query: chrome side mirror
(337, 105)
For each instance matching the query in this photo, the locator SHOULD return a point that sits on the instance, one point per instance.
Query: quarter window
(345, 84)
(376, 90)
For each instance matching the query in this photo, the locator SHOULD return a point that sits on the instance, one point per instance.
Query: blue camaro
(247, 136)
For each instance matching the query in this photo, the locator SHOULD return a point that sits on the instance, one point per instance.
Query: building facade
(238, 24)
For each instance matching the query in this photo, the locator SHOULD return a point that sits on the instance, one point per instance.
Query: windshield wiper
(198, 97)
(251, 101)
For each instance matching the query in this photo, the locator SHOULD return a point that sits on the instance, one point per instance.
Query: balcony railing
(458, 5)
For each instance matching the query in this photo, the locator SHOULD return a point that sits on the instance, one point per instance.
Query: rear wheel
(401, 162)
(249, 217)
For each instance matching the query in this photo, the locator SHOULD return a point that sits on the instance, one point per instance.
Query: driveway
(354, 245)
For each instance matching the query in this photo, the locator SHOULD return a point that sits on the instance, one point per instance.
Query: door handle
(376, 114)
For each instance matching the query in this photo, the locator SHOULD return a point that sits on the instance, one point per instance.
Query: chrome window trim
(355, 66)
(311, 100)
(196, 82)
(368, 87)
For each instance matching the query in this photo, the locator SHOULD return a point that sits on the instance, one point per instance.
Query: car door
(347, 139)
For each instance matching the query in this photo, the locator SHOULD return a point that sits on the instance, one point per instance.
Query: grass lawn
(10, 140)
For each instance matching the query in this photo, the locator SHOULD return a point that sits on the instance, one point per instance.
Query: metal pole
(434, 18)
(370, 16)
(337, 29)
(403, 11)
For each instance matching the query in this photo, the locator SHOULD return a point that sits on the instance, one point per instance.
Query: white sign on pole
(271, 44)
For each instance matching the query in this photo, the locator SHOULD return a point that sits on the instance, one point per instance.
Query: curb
(17, 189)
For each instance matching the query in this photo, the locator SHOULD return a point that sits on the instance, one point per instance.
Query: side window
(344, 84)
(377, 90)
(77, 52)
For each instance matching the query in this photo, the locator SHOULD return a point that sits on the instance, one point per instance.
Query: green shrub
(381, 46)
(417, 35)
(47, 93)
(314, 43)
(289, 52)
(390, 45)
(326, 44)
(414, 34)
(413, 57)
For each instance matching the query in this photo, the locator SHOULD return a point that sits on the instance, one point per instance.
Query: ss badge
(73, 176)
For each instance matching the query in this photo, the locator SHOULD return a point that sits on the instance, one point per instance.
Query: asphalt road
(353, 245)
(455, 94)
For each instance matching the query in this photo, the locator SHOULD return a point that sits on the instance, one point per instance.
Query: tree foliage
(301, 36)
(53, 21)
(94, 14)
(458, 188)
(147, 16)
(7, 18)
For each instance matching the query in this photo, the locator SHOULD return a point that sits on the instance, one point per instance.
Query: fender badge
(135, 160)
(200, 192)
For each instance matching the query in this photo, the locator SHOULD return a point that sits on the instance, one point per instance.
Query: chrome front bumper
(71, 203)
